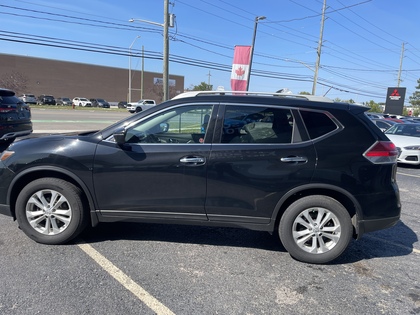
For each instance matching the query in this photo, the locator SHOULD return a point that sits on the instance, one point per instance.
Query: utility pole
(257, 18)
(166, 51)
(401, 62)
(209, 75)
(142, 72)
(318, 52)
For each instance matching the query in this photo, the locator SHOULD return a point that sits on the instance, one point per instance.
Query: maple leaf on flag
(240, 72)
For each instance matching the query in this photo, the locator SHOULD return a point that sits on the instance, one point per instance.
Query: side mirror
(119, 137)
(164, 127)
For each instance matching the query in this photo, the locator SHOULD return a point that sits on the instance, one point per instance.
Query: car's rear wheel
(50, 211)
(315, 229)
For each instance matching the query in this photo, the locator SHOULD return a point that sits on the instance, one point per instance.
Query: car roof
(267, 98)
(247, 93)
(6, 92)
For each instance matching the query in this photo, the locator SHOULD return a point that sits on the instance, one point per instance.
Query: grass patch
(61, 107)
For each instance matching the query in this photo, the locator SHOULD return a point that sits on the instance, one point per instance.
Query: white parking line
(126, 281)
(399, 173)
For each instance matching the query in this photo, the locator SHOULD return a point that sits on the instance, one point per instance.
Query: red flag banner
(240, 68)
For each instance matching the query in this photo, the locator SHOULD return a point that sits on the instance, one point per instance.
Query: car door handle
(294, 159)
(193, 160)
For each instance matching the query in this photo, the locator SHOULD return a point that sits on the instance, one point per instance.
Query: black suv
(15, 117)
(99, 102)
(314, 171)
(46, 100)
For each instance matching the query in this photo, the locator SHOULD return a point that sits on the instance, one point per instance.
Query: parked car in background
(28, 98)
(313, 171)
(406, 138)
(46, 100)
(99, 102)
(375, 115)
(15, 117)
(383, 124)
(122, 104)
(81, 101)
(64, 101)
(140, 105)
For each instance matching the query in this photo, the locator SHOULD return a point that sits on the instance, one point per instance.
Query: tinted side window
(181, 125)
(317, 124)
(254, 124)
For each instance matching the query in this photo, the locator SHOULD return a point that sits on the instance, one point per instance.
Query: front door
(161, 170)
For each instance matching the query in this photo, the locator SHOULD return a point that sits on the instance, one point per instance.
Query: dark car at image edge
(316, 172)
(15, 117)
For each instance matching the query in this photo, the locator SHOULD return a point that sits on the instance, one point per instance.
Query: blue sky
(360, 56)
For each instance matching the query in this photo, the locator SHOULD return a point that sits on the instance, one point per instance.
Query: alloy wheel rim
(316, 230)
(48, 212)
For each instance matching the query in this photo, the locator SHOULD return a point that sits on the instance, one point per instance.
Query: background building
(71, 79)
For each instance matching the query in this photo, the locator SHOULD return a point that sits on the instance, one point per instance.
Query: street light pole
(165, 25)
(257, 18)
(166, 51)
(129, 69)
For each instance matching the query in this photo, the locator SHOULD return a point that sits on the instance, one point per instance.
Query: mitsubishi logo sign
(395, 100)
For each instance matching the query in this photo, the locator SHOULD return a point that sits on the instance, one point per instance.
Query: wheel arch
(29, 175)
(339, 194)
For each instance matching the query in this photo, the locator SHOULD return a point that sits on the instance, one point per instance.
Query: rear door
(262, 152)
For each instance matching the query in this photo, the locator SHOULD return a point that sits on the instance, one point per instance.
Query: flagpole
(257, 18)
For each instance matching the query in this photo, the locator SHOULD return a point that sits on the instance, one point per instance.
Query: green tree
(415, 98)
(374, 107)
(203, 86)
(304, 93)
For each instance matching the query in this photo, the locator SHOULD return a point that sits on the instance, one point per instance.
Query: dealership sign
(159, 81)
(395, 100)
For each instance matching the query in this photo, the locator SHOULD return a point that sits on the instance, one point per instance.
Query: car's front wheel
(50, 211)
(315, 229)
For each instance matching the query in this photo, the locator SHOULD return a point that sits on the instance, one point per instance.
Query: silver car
(28, 98)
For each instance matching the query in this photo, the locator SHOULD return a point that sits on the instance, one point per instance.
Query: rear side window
(317, 124)
(257, 124)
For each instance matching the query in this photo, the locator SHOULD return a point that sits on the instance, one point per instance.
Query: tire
(316, 229)
(138, 109)
(49, 223)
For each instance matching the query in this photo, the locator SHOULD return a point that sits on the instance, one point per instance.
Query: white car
(140, 105)
(81, 101)
(406, 138)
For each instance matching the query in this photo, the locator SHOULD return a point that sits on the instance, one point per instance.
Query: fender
(322, 186)
(80, 183)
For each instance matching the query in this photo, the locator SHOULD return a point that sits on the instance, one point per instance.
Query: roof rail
(240, 93)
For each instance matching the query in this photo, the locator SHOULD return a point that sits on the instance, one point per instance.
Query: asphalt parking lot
(128, 268)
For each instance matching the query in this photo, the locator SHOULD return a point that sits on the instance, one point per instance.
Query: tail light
(382, 152)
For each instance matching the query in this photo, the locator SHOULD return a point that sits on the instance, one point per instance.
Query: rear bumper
(5, 209)
(15, 134)
(366, 226)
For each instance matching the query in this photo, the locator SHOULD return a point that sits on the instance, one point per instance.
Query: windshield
(412, 130)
